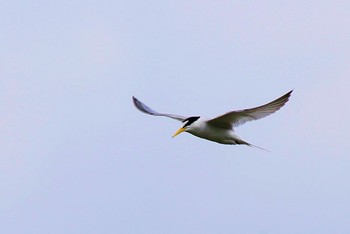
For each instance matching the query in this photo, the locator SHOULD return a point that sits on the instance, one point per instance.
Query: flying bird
(220, 129)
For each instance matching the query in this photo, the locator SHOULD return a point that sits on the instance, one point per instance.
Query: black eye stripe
(190, 120)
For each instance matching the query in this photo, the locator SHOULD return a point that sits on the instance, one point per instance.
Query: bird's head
(187, 125)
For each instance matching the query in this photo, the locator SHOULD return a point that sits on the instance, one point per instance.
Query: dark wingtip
(289, 93)
(136, 102)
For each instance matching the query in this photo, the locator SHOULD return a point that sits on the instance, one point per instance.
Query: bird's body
(221, 128)
(202, 129)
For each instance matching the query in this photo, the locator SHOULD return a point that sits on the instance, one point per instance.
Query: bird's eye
(190, 120)
(186, 124)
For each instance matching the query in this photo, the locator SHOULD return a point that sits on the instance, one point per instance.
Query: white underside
(224, 136)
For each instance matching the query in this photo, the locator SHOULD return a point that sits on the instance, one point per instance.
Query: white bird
(220, 129)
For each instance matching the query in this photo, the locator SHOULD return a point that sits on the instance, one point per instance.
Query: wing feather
(147, 110)
(236, 118)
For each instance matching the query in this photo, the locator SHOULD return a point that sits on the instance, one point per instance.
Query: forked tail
(251, 145)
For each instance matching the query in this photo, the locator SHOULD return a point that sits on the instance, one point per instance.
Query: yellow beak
(178, 132)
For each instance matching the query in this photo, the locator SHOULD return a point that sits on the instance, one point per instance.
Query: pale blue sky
(77, 157)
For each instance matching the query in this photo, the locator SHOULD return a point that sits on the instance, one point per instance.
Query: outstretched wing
(145, 109)
(236, 118)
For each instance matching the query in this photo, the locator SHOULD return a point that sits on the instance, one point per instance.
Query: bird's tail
(241, 142)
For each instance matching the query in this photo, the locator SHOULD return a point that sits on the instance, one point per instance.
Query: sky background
(77, 157)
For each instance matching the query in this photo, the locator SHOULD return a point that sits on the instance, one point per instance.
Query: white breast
(201, 129)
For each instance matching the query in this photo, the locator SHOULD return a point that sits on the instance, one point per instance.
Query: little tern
(220, 129)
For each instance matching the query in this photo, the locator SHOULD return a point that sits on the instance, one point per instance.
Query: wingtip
(287, 95)
(290, 92)
(135, 102)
